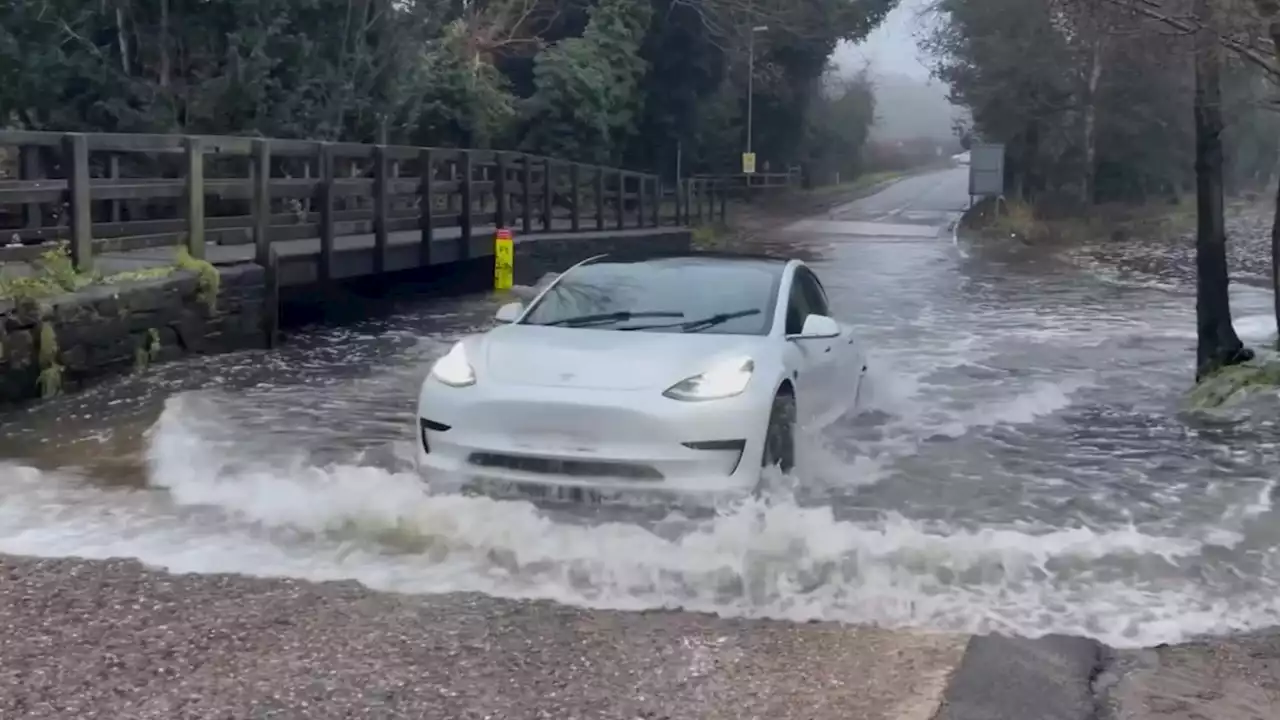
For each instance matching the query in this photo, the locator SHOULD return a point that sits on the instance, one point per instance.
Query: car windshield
(667, 295)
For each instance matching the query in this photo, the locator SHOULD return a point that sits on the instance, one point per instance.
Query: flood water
(1020, 462)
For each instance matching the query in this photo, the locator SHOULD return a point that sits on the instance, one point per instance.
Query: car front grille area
(573, 468)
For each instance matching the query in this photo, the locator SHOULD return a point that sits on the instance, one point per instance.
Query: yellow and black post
(504, 260)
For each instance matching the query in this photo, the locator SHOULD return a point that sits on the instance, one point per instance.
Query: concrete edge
(1007, 678)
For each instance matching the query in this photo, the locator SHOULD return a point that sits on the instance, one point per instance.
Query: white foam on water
(210, 512)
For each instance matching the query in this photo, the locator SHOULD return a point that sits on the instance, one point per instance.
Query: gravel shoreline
(113, 639)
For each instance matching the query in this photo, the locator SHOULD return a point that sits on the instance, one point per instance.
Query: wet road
(1020, 463)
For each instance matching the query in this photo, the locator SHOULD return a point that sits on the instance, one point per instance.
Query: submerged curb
(1005, 678)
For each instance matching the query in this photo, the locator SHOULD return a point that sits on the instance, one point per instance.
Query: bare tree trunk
(122, 38)
(165, 62)
(1270, 11)
(1217, 343)
(1091, 122)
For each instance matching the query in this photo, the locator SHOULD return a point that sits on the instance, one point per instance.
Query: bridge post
(526, 194)
(260, 167)
(675, 196)
(195, 196)
(426, 204)
(31, 167)
(548, 169)
(75, 158)
(642, 187)
(656, 210)
(381, 208)
(324, 197)
(599, 197)
(501, 213)
(689, 197)
(464, 190)
(620, 210)
(575, 173)
(113, 172)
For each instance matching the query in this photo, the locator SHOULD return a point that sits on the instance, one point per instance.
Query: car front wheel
(780, 438)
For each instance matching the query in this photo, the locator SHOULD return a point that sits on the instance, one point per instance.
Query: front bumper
(631, 442)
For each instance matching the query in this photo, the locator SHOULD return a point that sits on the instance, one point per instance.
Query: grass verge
(54, 274)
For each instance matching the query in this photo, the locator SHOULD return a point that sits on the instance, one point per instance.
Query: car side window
(815, 298)
(798, 307)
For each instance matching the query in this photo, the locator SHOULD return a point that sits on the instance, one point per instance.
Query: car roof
(771, 263)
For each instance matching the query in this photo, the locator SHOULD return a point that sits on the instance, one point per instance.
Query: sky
(891, 48)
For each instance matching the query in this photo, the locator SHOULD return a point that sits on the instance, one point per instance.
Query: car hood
(602, 359)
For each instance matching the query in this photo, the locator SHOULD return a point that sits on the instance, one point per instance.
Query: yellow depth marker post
(504, 260)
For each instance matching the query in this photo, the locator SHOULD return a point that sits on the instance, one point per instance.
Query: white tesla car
(686, 373)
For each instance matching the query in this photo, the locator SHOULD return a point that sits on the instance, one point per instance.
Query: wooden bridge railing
(120, 192)
(743, 184)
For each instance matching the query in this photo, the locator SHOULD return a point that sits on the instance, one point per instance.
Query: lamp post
(751, 80)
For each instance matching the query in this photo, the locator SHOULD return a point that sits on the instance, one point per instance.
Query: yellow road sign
(504, 260)
(748, 163)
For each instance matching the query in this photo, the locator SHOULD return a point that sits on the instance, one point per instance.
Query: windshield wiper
(703, 324)
(620, 316)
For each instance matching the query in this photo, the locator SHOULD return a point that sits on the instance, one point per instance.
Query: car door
(811, 369)
(845, 361)
(819, 353)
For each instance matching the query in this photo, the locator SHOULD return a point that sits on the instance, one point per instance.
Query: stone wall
(64, 343)
(540, 255)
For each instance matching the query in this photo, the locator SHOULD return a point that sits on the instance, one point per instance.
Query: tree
(1217, 344)
(613, 81)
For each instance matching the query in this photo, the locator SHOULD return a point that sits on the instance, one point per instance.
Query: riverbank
(114, 639)
(1155, 243)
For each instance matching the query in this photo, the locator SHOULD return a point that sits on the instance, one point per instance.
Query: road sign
(504, 260)
(986, 170)
(748, 163)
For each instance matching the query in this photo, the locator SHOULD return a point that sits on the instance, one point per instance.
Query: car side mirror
(817, 327)
(510, 312)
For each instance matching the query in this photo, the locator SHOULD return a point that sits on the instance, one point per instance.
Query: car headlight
(453, 369)
(724, 380)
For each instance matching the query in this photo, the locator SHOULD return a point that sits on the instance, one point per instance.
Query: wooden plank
(31, 138)
(33, 193)
(195, 197)
(381, 207)
(352, 150)
(324, 200)
(291, 148)
(426, 203)
(75, 158)
(262, 201)
(575, 172)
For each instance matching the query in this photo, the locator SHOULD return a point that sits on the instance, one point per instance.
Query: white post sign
(986, 170)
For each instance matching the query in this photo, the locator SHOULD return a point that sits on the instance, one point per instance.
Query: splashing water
(1016, 464)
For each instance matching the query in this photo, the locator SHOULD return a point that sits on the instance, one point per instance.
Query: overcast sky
(892, 47)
